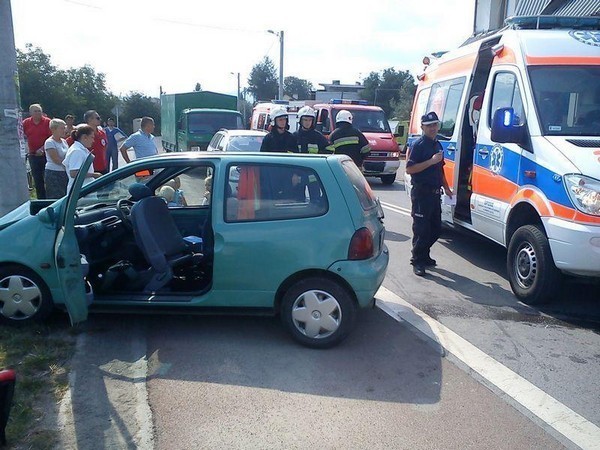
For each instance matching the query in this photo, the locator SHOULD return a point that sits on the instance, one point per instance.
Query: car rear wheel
(531, 271)
(24, 297)
(318, 312)
(388, 179)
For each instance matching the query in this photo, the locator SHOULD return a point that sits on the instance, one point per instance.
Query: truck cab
(197, 126)
(384, 160)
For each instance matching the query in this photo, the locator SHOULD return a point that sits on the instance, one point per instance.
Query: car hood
(15, 215)
(584, 153)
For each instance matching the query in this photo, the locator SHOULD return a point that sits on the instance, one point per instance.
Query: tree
(61, 92)
(198, 87)
(403, 106)
(262, 82)
(297, 88)
(385, 89)
(137, 105)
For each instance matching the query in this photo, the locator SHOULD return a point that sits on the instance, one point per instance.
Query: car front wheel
(318, 312)
(388, 179)
(24, 297)
(531, 271)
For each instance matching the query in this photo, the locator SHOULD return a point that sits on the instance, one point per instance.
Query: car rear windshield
(365, 194)
(245, 143)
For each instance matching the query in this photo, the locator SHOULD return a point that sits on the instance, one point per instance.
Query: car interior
(136, 241)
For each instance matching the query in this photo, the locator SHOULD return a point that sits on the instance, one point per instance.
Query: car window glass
(113, 191)
(192, 188)
(445, 100)
(363, 190)
(256, 192)
(506, 93)
(214, 141)
(244, 143)
(422, 99)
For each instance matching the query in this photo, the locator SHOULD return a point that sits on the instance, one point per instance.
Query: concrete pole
(13, 177)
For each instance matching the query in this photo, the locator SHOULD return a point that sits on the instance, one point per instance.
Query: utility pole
(280, 35)
(13, 179)
(239, 99)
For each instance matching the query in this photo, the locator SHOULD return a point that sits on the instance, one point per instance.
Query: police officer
(425, 165)
(279, 138)
(347, 140)
(309, 140)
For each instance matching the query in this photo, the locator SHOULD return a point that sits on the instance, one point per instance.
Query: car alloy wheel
(23, 296)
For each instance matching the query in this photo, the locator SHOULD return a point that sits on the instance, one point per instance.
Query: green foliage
(137, 105)
(262, 82)
(61, 92)
(297, 88)
(391, 90)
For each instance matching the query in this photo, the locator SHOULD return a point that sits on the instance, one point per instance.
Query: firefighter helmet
(278, 111)
(307, 111)
(343, 116)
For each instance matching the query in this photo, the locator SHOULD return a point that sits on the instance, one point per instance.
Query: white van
(261, 119)
(520, 128)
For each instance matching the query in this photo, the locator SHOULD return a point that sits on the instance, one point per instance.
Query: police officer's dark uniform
(425, 196)
(347, 140)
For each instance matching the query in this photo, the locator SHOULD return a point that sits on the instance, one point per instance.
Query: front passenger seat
(158, 237)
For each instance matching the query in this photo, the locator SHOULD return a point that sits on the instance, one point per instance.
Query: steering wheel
(124, 212)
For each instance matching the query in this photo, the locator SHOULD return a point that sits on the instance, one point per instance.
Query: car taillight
(361, 245)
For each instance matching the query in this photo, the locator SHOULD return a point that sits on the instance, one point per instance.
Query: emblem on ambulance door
(496, 159)
(587, 37)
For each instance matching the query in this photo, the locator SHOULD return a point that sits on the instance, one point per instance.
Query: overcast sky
(141, 45)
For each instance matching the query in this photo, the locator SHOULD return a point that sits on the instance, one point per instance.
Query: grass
(40, 355)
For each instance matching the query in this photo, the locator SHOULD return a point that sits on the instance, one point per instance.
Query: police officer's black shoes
(419, 271)
(430, 262)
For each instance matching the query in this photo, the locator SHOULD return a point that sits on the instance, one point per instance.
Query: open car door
(66, 252)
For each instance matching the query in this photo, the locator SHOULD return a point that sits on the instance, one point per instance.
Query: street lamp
(280, 36)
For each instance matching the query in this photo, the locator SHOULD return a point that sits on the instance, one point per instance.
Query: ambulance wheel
(388, 179)
(531, 271)
(24, 297)
(318, 312)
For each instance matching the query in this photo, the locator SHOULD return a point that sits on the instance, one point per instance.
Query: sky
(143, 45)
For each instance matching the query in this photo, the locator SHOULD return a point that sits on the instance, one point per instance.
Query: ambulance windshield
(567, 99)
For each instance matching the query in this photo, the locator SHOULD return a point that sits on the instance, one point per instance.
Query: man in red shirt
(92, 118)
(37, 129)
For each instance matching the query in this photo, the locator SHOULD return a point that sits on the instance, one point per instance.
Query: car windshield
(244, 144)
(567, 99)
(114, 191)
(211, 122)
(368, 121)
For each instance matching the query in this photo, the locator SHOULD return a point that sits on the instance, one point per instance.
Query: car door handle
(451, 148)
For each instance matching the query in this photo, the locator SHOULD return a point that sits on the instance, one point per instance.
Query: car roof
(232, 155)
(243, 132)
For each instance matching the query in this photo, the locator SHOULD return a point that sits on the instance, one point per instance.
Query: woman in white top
(55, 176)
(83, 138)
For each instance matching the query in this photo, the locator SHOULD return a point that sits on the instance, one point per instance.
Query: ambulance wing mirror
(507, 127)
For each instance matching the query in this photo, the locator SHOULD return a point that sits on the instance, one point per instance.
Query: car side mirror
(506, 127)
(47, 215)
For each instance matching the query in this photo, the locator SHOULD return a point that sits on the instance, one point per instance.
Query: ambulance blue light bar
(338, 101)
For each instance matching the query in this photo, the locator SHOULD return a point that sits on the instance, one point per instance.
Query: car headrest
(139, 191)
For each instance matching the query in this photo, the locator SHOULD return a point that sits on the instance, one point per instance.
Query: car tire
(531, 271)
(24, 297)
(318, 312)
(388, 179)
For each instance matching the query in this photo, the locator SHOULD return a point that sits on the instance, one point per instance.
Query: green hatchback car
(300, 236)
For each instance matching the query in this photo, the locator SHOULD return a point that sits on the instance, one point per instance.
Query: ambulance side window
(506, 93)
(422, 99)
(261, 121)
(445, 101)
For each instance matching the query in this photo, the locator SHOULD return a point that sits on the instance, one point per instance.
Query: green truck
(189, 120)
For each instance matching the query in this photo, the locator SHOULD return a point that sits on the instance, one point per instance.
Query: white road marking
(554, 414)
(395, 208)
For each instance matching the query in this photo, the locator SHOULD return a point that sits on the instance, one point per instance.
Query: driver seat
(158, 237)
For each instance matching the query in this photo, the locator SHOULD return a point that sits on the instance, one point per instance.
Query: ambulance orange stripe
(534, 198)
(563, 60)
(573, 215)
(493, 186)
(453, 68)
(506, 56)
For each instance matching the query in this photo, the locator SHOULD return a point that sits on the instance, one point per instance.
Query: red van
(384, 160)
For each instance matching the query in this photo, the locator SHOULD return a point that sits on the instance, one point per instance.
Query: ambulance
(520, 129)
(384, 159)
(261, 119)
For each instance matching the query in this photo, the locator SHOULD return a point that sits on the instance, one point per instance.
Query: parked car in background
(252, 249)
(237, 141)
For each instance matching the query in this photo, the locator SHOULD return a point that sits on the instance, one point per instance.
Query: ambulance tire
(531, 271)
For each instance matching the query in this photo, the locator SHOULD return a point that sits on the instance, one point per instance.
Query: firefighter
(347, 140)
(279, 138)
(308, 139)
